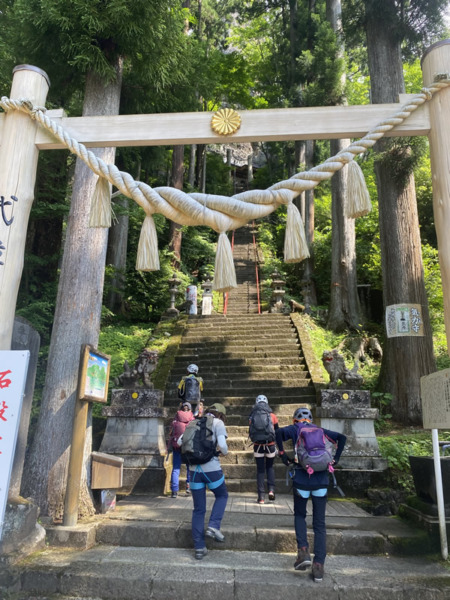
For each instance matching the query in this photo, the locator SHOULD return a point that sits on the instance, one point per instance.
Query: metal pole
(439, 494)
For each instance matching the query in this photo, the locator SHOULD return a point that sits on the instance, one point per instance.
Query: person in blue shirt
(314, 485)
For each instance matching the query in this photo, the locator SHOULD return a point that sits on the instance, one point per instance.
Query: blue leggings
(175, 478)
(215, 481)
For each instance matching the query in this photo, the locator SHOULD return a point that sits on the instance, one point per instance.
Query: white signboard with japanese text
(435, 394)
(13, 373)
(404, 320)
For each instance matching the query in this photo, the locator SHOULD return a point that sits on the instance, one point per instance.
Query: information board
(435, 394)
(13, 373)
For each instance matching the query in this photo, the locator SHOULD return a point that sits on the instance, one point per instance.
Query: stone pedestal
(22, 534)
(349, 412)
(135, 432)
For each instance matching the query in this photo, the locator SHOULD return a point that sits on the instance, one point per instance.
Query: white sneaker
(215, 534)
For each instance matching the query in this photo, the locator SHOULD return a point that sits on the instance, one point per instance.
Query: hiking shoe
(174, 494)
(200, 553)
(215, 534)
(303, 559)
(317, 572)
(271, 495)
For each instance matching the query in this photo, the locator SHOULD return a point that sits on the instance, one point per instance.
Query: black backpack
(261, 429)
(198, 445)
(190, 390)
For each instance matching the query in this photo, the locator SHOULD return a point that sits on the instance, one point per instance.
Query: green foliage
(397, 448)
(322, 69)
(91, 34)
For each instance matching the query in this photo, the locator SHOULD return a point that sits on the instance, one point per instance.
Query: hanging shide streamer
(147, 255)
(295, 245)
(224, 272)
(100, 215)
(357, 201)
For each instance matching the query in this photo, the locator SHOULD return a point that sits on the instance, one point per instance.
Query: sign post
(13, 374)
(435, 393)
(92, 387)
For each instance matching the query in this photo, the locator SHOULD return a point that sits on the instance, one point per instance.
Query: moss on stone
(166, 360)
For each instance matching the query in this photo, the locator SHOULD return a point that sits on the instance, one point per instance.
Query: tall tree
(405, 359)
(93, 39)
(344, 312)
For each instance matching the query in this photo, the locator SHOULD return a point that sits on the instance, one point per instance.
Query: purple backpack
(313, 450)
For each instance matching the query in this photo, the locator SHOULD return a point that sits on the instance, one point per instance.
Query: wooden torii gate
(21, 139)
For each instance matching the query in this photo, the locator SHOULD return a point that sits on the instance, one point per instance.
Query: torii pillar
(18, 164)
(436, 62)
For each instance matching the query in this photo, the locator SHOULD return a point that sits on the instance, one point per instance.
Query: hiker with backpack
(182, 418)
(203, 441)
(190, 389)
(261, 431)
(316, 453)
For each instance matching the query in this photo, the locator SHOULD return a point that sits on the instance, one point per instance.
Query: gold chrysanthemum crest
(225, 121)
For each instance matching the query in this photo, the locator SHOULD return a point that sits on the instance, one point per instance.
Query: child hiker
(182, 418)
(190, 389)
(309, 484)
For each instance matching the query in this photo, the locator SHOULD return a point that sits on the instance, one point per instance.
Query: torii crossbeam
(21, 139)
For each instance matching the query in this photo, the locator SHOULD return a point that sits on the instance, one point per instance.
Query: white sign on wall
(13, 373)
(435, 394)
(404, 320)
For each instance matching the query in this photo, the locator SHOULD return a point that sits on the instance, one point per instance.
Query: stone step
(236, 320)
(224, 385)
(238, 329)
(254, 372)
(238, 351)
(244, 373)
(180, 362)
(130, 573)
(230, 397)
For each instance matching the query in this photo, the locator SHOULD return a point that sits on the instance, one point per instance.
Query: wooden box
(107, 471)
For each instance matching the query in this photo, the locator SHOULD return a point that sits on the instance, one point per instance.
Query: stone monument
(345, 408)
(135, 426)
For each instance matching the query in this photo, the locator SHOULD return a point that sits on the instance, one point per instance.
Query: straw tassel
(147, 255)
(100, 215)
(295, 245)
(357, 202)
(224, 272)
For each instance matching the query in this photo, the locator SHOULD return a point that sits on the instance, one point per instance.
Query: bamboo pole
(18, 162)
(435, 62)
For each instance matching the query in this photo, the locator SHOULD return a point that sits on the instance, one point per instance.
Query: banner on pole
(13, 373)
(435, 394)
(404, 320)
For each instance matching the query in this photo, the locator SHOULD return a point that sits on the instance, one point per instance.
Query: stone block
(344, 398)
(77, 536)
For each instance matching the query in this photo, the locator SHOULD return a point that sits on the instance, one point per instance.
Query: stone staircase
(143, 549)
(240, 357)
(244, 299)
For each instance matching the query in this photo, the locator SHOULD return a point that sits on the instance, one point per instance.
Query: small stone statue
(335, 366)
(142, 370)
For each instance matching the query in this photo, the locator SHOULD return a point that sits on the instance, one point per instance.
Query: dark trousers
(319, 504)
(199, 498)
(264, 465)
